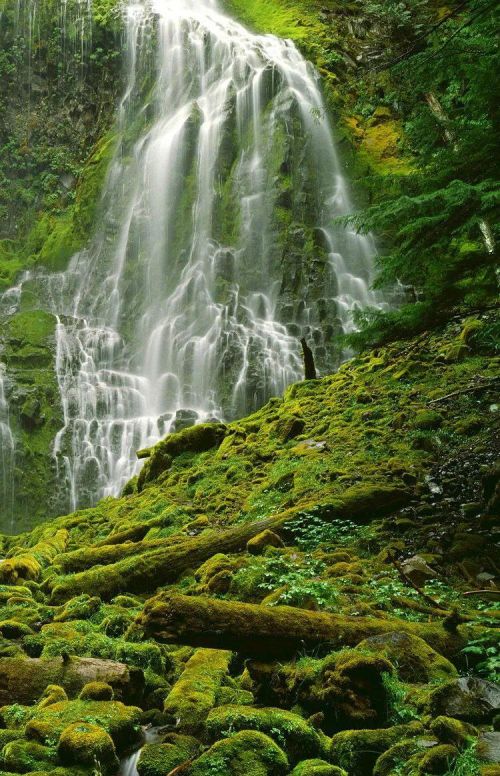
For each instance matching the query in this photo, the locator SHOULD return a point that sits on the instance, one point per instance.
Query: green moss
(195, 439)
(317, 768)
(438, 760)
(453, 731)
(83, 743)
(159, 759)
(194, 695)
(292, 733)
(96, 691)
(120, 721)
(357, 750)
(426, 420)
(413, 658)
(247, 753)
(22, 756)
(53, 693)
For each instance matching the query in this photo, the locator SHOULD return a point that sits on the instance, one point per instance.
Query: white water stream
(177, 303)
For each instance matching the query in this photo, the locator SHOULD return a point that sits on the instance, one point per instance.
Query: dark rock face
(468, 698)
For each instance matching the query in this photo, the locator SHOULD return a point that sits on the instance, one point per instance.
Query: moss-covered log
(25, 679)
(278, 631)
(164, 564)
(145, 572)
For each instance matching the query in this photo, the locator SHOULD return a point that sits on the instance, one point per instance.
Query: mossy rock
(247, 753)
(414, 659)
(83, 743)
(317, 768)
(234, 696)
(357, 750)
(352, 687)
(12, 629)
(23, 568)
(120, 721)
(23, 756)
(96, 691)
(395, 758)
(427, 420)
(195, 439)
(160, 759)
(468, 698)
(437, 761)
(453, 731)
(79, 608)
(290, 731)
(53, 693)
(262, 541)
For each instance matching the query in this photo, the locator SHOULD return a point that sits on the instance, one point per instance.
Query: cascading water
(7, 447)
(215, 249)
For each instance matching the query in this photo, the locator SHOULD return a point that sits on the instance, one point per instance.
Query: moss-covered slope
(284, 595)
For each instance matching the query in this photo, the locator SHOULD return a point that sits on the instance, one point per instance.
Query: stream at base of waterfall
(214, 251)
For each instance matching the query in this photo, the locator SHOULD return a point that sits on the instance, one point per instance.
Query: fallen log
(147, 571)
(24, 679)
(274, 632)
(155, 567)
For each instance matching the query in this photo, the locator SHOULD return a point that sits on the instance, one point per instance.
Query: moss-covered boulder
(22, 756)
(160, 759)
(317, 768)
(96, 691)
(195, 439)
(120, 721)
(262, 541)
(453, 731)
(352, 686)
(416, 661)
(83, 743)
(467, 698)
(437, 761)
(357, 750)
(25, 679)
(247, 753)
(290, 731)
(53, 694)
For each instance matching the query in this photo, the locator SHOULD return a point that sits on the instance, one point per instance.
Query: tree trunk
(272, 632)
(309, 367)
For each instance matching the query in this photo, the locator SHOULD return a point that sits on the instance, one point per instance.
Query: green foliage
(438, 226)
(310, 530)
(467, 763)
(399, 710)
(301, 580)
(484, 655)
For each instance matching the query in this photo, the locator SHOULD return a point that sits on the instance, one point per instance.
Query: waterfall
(215, 249)
(7, 448)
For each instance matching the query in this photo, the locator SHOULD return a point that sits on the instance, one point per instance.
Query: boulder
(25, 679)
(242, 754)
(259, 543)
(467, 698)
(83, 743)
(416, 661)
(417, 570)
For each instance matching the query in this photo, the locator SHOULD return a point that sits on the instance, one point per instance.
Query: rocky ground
(311, 590)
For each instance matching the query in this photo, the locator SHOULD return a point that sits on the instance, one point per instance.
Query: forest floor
(310, 590)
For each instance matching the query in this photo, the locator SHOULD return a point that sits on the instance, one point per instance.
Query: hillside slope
(295, 593)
